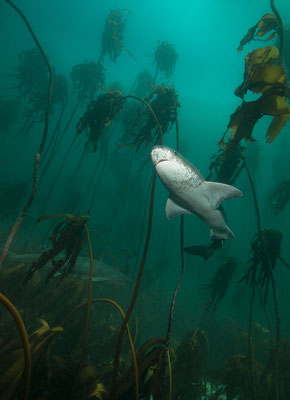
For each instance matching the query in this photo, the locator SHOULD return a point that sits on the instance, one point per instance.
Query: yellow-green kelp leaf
(262, 72)
(243, 120)
(266, 24)
(276, 126)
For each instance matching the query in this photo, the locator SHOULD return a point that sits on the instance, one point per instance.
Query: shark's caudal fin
(219, 192)
(203, 250)
(172, 209)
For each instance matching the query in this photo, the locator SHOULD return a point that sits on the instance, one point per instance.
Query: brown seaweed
(164, 103)
(165, 58)
(226, 167)
(67, 236)
(99, 115)
(266, 251)
(112, 37)
(219, 284)
(280, 196)
(87, 78)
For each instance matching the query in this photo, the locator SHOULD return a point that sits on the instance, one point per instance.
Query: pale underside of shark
(189, 193)
(102, 272)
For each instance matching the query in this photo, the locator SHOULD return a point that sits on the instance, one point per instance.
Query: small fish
(102, 272)
(203, 250)
(189, 193)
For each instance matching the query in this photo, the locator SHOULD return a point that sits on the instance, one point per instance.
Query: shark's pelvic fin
(172, 209)
(219, 192)
(221, 233)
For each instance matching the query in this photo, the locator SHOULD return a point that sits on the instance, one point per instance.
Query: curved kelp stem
(280, 30)
(277, 396)
(250, 338)
(94, 194)
(254, 197)
(170, 375)
(86, 330)
(281, 34)
(132, 96)
(142, 264)
(24, 339)
(59, 138)
(115, 212)
(133, 353)
(42, 143)
(141, 216)
(74, 179)
(51, 147)
(59, 172)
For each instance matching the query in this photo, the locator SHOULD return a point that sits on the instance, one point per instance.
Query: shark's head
(163, 153)
(171, 167)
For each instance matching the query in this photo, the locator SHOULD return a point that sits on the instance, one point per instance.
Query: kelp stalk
(132, 96)
(254, 196)
(276, 360)
(24, 339)
(74, 179)
(170, 375)
(142, 264)
(280, 30)
(116, 305)
(173, 300)
(53, 145)
(59, 172)
(86, 330)
(42, 143)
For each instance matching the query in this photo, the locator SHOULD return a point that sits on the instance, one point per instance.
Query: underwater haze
(144, 190)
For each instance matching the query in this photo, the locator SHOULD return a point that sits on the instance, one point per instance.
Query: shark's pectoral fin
(219, 192)
(172, 209)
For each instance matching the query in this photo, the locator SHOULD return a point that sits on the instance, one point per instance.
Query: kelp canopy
(99, 115)
(67, 237)
(86, 79)
(142, 84)
(265, 75)
(31, 72)
(38, 99)
(266, 249)
(226, 168)
(33, 83)
(112, 38)
(164, 103)
(281, 196)
(165, 58)
(219, 284)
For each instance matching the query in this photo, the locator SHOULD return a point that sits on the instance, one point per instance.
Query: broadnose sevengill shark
(189, 193)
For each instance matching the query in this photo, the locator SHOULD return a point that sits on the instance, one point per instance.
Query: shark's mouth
(162, 160)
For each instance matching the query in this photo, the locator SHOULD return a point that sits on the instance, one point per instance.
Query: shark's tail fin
(203, 251)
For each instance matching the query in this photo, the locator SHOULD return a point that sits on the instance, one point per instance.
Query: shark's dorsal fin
(172, 209)
(219, 192)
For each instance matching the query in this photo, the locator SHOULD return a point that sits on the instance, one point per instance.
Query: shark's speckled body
(189, 193)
